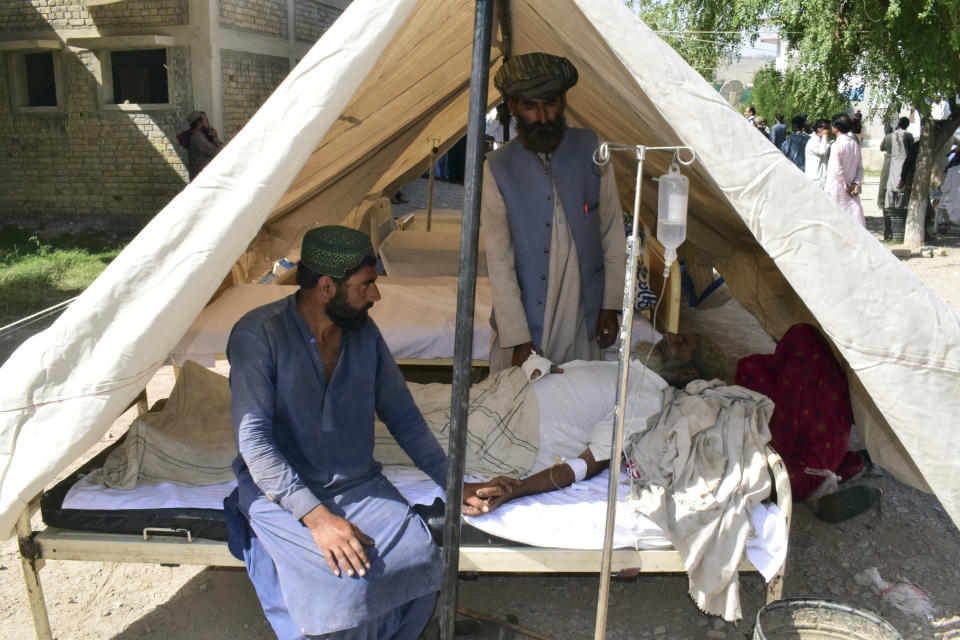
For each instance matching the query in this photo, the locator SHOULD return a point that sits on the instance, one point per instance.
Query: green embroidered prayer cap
(333, 250)
(193, 117)
(535, 75)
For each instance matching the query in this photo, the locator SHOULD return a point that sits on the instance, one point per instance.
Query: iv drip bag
(672, 213)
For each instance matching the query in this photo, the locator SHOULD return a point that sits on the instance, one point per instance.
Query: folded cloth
(701, 468)
(189, 442)
(503, 419)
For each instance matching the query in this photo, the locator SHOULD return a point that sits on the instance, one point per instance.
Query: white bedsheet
(417, 317)
(569, 519)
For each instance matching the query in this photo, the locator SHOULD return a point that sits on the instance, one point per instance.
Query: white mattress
(417, 317)
(569, 519)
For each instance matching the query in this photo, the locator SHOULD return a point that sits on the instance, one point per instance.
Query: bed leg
(31, 563)
(775, 587)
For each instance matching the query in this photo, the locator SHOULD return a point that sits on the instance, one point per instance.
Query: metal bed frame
(179, 547)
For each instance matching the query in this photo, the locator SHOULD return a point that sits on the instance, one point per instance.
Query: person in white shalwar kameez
(845, 170)
(816, 154)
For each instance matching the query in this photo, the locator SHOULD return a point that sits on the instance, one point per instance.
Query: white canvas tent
(357, 117)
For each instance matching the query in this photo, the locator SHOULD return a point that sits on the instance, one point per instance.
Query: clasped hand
(342, 542)
(483, 497)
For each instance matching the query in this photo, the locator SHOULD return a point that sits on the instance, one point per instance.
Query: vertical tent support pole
(31, 563)
(433, 163)
(463, 338)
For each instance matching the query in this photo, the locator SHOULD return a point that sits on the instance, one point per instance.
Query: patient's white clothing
(576, 408)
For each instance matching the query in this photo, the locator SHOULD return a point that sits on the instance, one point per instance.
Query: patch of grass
(36, 274)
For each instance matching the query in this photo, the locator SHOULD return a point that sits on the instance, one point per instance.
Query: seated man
(307, 375)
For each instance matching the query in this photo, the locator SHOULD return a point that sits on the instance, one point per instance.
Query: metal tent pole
(463, 340)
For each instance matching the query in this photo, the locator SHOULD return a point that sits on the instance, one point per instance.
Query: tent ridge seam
(88, 394)
(925, 362)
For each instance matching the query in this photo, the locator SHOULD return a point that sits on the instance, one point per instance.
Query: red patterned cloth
(811, 419)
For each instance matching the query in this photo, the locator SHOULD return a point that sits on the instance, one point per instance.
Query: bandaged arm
(561, 475)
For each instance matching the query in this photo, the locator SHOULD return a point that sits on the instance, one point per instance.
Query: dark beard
(542, 137)
(346, 317)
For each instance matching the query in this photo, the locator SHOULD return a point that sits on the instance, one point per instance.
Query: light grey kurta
(564, 330)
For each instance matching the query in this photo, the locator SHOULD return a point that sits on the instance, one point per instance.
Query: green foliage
(775, 92)
(904, 50)
(704, 32)
(36, 274)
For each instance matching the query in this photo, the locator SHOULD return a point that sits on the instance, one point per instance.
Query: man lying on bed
(307, 375)
(556, 430)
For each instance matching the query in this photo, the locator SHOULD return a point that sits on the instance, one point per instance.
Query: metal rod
(463, 337)
(433, 162)
(626, 333)
(601, 156)
(506, 29)
(38, 315)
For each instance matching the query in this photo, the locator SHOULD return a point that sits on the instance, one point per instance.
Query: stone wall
(20, 15)
(248, 80)
(313, 18)
(267, 17)
(87, 159)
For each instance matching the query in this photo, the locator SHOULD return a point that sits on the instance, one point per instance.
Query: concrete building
(94, 92)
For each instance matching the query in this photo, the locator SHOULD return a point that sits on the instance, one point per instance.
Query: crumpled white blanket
(702, 468)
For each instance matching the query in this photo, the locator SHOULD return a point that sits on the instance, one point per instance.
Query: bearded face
(540, 123)
(345, 315)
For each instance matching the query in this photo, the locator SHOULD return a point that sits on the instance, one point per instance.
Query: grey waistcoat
(527, 189)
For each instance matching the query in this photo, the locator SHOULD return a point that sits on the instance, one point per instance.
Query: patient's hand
(483, 497)
(520, 353)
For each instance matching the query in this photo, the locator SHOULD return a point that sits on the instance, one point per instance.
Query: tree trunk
(933, 135)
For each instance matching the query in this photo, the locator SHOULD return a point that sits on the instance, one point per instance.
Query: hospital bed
(178, 525)
(416, 315)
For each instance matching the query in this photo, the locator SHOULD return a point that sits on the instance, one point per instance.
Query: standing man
(795, 146)
(332, 548)
(902, 146)
(816, 152)
(778, 133)
(845, 170)
(555, 244)
(201, 142)
(750, 114)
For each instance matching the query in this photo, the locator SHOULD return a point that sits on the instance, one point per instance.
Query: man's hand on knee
(340, 541)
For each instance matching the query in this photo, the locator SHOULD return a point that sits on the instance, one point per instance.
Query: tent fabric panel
(801, 230)
(424, 63)
(62, 388)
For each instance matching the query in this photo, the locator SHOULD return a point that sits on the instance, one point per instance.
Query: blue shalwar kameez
(305, 440)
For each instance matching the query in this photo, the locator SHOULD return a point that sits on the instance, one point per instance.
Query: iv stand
(601, 156)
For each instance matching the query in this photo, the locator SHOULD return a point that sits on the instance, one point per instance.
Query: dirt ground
(908, 537)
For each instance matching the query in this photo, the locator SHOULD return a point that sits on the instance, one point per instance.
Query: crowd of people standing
(826, 150)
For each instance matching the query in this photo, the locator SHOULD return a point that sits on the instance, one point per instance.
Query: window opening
(139, 77)
(41, 79)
